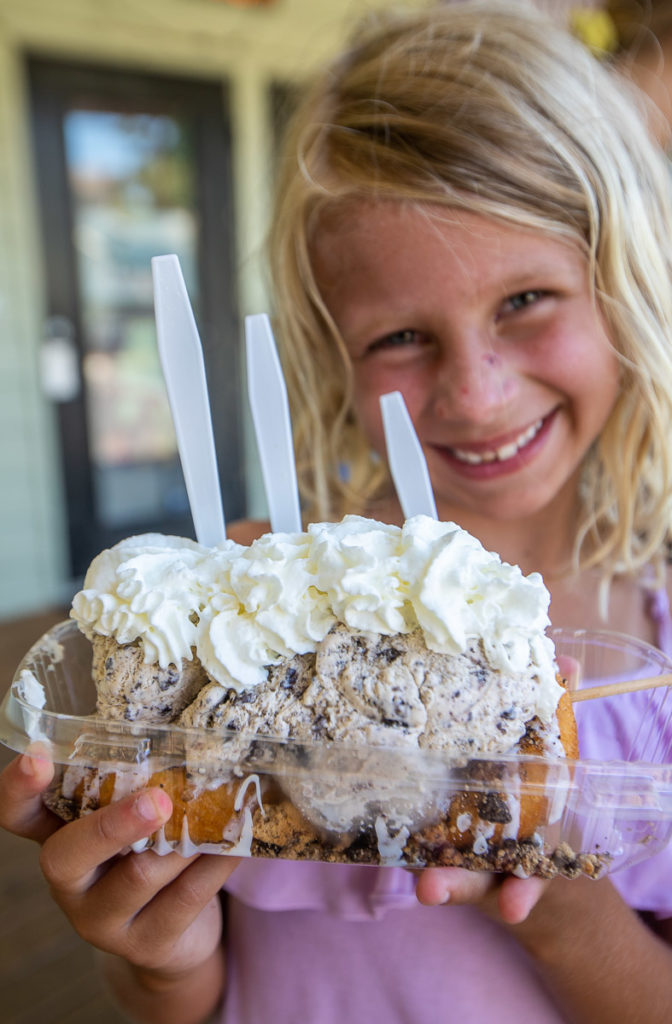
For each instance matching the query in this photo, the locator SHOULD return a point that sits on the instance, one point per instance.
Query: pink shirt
(336, 944)
(312, 943)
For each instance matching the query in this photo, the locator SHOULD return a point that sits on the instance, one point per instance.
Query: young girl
(471, 212)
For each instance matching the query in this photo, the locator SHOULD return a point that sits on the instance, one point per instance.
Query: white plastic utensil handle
(406, 458)
(183, 367)
(272, 424)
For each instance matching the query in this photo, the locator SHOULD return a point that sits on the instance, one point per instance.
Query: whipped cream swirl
(242, 609)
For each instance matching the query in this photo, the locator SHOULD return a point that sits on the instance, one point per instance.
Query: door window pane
(133, 193)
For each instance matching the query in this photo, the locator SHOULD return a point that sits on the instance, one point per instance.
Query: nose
(472, 382)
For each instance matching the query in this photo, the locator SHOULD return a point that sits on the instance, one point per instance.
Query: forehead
(361, 238)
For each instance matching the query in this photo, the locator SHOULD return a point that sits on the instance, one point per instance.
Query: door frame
(54, 85)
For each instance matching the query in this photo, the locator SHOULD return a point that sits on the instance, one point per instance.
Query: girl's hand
(504, 897)
(21, 785)
(159, 913)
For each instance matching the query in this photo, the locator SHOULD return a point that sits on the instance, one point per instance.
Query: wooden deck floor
(47, 975)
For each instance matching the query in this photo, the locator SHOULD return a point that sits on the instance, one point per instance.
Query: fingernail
(151, 806)
(437, 899)
(31, 763)
(28, 766)
(34, 755)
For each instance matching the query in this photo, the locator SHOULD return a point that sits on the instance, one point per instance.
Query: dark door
(130, 166)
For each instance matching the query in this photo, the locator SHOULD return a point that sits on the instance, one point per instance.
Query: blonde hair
(490, 108)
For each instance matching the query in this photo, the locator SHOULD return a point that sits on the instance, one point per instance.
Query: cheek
(368, 386)
(367, 406)
(581, 360)
(596, 373)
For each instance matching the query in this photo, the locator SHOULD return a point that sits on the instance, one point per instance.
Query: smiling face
(491, 335)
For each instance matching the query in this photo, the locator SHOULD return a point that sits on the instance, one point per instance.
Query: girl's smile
(491, 334)
(486, 459)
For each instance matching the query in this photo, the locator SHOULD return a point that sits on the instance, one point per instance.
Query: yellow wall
(246, 47)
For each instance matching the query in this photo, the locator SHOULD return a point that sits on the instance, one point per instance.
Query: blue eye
(523, 299)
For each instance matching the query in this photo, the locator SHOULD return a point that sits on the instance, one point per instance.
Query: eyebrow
(532, 274)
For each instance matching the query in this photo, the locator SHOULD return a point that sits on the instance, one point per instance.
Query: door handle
(60, 374)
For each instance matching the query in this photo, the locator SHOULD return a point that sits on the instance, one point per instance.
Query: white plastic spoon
(272, 424)
(406, 458)
(183, 367)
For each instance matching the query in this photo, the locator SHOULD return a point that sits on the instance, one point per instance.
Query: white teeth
(506, 451)
(471, 457)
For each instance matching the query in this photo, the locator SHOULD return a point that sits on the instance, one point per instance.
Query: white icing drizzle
(160, 844)
(31, 690)
(390, 846)
(511, 828)
(32, 693)
(91, 788)
(463, 822)
(185, 838)
(240, 795)
(483, 833)
(560, 789)
(243, 848)
(72, 776)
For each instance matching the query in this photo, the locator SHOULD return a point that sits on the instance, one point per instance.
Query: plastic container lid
(266, 796)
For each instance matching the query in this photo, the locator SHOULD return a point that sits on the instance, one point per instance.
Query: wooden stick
(625, 686)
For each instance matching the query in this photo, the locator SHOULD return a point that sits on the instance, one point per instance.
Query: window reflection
(132, 181)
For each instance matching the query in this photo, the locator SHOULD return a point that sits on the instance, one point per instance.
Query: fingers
(183, 921)
(452, 885)
(517, 897)
(155, 911)
(505, 897)
(21, 786)
(570, 669)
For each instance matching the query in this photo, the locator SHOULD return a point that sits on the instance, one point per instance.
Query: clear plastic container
(268, 797)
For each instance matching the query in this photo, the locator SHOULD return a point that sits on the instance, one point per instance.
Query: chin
(496, 509)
